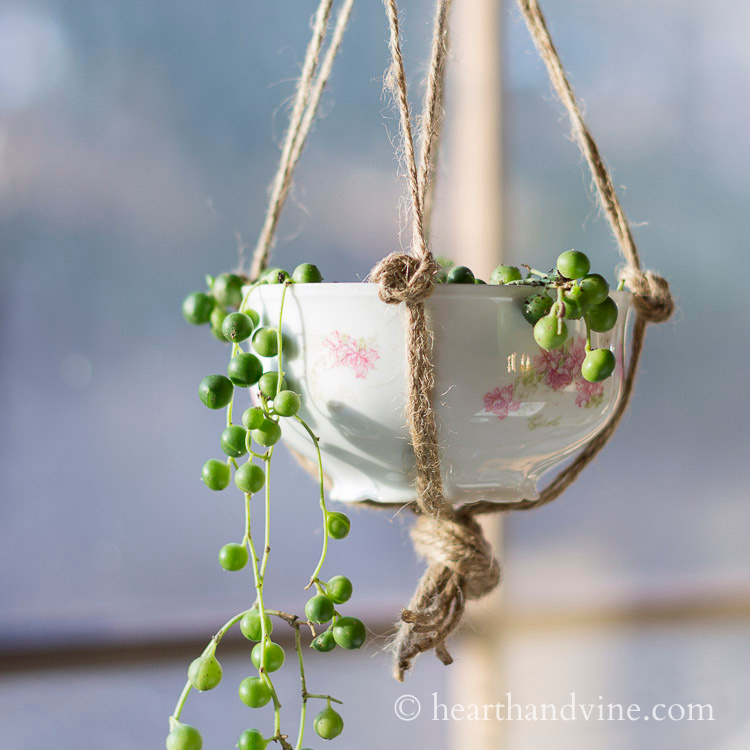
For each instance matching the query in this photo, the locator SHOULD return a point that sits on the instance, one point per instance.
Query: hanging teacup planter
(507, 410)
(450, 398)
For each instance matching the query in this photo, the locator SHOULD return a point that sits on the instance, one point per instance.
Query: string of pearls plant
(575, 293)
(231, 318)
(568, 292)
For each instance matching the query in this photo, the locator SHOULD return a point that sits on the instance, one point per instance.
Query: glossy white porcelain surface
(506, 410)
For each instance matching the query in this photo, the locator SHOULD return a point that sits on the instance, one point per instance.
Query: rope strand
(395, 81)
(461, 565)
(540, 35)
(467, 569)
(304, 109)
(433, 105)
(324, 73)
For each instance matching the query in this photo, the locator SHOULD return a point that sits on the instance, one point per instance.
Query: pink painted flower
(546, 360)
(336, 348)
(500, 401)
(362, 360)
(558, 379)
(344, 351)
(587, 391)
(560, 366)
(554, 366)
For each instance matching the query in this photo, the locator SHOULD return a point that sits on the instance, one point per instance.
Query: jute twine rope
(304, 109)
(461, 565)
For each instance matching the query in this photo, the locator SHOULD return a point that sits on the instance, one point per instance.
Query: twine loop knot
(402, 278)
(651, 295)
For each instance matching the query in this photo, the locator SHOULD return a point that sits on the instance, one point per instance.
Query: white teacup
(506, 410)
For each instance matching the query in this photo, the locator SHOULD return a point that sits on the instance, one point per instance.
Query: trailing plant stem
(210, 648)
(259, 575)
(316, 442)
(280, 339)
(303, 710)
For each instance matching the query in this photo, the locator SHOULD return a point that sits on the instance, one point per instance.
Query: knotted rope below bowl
(461, 565)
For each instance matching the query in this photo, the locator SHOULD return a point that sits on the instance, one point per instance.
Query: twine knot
(402, 278)
(461, 547)
(461, 567)
(652, 298)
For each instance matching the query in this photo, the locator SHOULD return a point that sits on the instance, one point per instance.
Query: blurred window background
(137, 141)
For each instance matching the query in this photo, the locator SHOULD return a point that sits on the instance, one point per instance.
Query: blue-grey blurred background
(137, 140)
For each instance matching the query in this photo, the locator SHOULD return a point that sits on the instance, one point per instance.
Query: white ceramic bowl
(506, 410)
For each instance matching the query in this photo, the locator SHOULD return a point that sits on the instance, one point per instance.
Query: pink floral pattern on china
(558, 369)
(500, 401)
(343, 350)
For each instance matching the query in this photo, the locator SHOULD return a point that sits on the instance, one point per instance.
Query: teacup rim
(491, 291)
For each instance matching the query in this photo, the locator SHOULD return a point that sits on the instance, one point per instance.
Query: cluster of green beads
(579, 294)
(225, 308)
